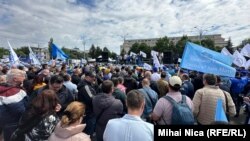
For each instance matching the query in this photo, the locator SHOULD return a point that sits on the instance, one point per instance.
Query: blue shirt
(128, 128)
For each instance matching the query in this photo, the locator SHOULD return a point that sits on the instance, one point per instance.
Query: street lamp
(83, 42)
(202, 30)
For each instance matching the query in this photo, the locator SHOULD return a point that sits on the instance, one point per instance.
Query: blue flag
(219, 112)
(201, 59)
(58, 53)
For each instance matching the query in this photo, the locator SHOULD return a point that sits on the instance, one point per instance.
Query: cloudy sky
(108, 22)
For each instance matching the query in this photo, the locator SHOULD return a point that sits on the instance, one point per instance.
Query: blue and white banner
(238, 59)
(143, 54)
(245, 50)
(14, 60)
(33, 57)
(58, 53)
(196, 57)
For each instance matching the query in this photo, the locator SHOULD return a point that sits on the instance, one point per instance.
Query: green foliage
(208, 43)
(229, 46)
(180, 45)
(113, 55)
(162, 45)
(73, 54)
(92, 51)
(123, 52)
(3, 52)
(98, 52)
(136, 48)
(244, 42)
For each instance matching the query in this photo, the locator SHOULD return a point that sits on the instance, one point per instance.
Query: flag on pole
(226, 52)
(132, 53)
(239, 59)
(33, 57)
(146, 66)
(220, 113)
(14, 60)
(58, 53)
(143, 54)
(245, 50)
(156, 61)
(247, 65)
(154, 53)
(196, 57)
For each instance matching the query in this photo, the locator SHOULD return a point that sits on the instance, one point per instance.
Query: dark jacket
(187, 89)
(13, 103)
(105, 107)
(118, 94)
(85, 93)
(75, 79)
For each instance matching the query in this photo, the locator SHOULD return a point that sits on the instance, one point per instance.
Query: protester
(70, 127)
(130, 127)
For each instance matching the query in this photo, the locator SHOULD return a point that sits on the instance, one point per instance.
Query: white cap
(175, 80)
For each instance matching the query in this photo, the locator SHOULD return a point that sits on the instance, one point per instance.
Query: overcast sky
(107, 22)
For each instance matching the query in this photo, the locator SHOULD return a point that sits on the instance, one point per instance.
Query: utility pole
(202, 30)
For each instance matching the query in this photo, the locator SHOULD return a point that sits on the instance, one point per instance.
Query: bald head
(148, 74)
(145, 82)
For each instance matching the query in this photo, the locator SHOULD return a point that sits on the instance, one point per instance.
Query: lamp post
(83, 42)
(202, 30)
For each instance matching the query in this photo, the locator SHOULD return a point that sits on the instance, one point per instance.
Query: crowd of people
(111, 102)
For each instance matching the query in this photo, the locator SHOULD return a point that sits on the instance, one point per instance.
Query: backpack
(181, 114)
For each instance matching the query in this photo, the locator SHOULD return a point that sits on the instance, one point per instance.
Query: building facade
(218, 41)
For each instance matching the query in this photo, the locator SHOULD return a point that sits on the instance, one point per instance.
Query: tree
(162, 45)
(98, 52)
(123, 52)
(181, 44)
(105, 49)
(92, 51)
(113, 55)
(134, 48)
(3, 52)
(244, 42)
(208, 43)
(229, 46)
(145, 48)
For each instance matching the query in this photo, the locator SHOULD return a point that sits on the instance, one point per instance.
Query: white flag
(147, 66)
(14, 60)
(143, 54)
(154, 53)
(33, 58)
(239, 59)
(247, 64)
(132, 53)
(156, 61)
(226, 52)
(246, 50)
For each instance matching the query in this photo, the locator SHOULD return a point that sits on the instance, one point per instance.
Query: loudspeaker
(168, 57)
(105, 56)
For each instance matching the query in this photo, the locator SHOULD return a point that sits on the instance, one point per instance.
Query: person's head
(184, 77)
(107, 87)
(45, 72)
(66, 77)
(73, 114)
(121, 80)
(15, 77)
(209, 79)
(174, 83)
(135, 102)
(2, 79)
(115, 81)
(56, 83)
(45, 66)
(145, 82)
(163, 75)
(39, 79)
(90, 76)
(148, 75)
(45, 102)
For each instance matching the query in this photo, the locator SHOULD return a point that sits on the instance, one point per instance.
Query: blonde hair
(13, 73)
(73, 113)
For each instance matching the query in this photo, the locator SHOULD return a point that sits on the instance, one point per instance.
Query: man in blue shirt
(130, 127)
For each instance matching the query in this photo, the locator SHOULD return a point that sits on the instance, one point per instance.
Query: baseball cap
(175, 80)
